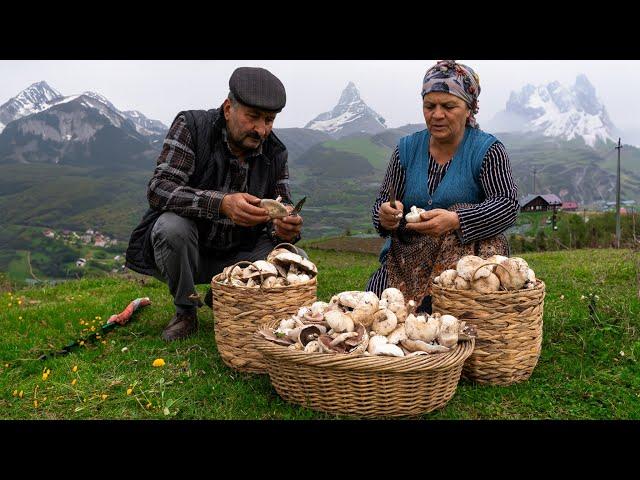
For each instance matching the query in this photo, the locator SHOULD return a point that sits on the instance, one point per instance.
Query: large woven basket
(365, 386)
(240, 311)
(509, 330)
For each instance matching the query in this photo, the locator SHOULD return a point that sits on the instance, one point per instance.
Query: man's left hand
(289, 227)
(436, 222)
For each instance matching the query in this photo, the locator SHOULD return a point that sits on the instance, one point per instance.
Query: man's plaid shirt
(168, 190)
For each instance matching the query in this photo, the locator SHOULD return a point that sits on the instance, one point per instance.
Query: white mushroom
(312, 346)
(338, 321)
(414, 215)
(378, 346)
(274, 208)
(448, 332)
(398, 334)
(384, 322)
(461, 284)
(364, 310)
(488, 284)
(467, 265)
(421, 328)
(319, 307)
(419, 345)
(392, 295)
(514, 273)
(531, 276)
(447, 278)
(286, 259)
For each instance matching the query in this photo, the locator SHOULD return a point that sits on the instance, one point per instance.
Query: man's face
(247, 127)
(446, 115)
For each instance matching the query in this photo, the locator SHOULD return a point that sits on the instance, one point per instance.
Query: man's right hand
(389, 216)
(243, 209)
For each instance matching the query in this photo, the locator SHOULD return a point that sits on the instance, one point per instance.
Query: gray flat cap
(259, 88)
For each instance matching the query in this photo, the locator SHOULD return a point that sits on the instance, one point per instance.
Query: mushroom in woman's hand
(414, 215)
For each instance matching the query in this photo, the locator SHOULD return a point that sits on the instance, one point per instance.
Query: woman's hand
(436, 222)
(389, 216)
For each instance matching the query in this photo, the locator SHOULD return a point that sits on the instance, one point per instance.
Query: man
(214, 168)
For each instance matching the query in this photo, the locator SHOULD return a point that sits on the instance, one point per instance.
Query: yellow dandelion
(561, 297)
(19, 302)
(74, 381)
(45, 375)
(148, 405)
(75, 368)
(21, 394)
(19, 318)
(15, 393)
(129, 391)
(8, 304)
(104, 396)
(81, 342)
(92, 328)
(158, 362)
(6, 365)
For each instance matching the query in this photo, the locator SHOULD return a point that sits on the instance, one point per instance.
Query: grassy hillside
(588, 368)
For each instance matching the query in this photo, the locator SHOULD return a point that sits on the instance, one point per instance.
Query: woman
(459, 174)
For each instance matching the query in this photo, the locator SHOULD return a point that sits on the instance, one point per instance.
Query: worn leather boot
(182, 325)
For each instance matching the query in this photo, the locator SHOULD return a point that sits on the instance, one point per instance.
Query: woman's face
(446, 115)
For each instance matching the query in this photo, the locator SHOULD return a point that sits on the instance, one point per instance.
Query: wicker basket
(509, 330)
(239, 312)
(365, 386)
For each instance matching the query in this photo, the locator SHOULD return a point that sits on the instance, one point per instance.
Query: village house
(540, 203)
(570, 206)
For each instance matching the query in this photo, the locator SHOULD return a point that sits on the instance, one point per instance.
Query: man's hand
(242, 210)
(289, 227)
(389, 216)
(436, 222)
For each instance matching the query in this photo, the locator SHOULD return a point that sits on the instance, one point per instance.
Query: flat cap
(257, 87)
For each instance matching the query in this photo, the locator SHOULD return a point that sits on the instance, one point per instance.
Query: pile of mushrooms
(281, 268)
(360, 323)
(496, 273)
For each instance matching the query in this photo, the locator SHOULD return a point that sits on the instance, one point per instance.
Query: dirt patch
(350, 244)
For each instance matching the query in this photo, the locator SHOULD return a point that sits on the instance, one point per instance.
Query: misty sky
(161, 88)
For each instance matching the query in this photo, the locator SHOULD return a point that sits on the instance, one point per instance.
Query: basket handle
(473, 279)
(250, 263)
(287, 245)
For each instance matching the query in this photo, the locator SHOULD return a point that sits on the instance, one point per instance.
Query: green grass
(581, 374)
(378, 156)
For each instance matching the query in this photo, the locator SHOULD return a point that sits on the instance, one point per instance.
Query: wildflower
(129, 391)
(148, 406)
(45, 375)
(15, 393)
(124, 349)
(75, 368)
(561, 297)
(92, 328)
(596, 297)
(6, 365)
(104, 342)
(81, 342)
(21, 394)
(19, 302)
(74, 381)
(158, 362)
(104, 396)
(19, 318)
(582, 297)
(621, 353)
(9, 304)
(35, 403)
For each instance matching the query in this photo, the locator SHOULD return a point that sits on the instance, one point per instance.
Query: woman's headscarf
(457, 79)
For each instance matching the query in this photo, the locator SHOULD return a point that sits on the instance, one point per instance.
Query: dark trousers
(181, 264)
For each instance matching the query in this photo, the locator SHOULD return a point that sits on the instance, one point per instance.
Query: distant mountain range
(94, 160)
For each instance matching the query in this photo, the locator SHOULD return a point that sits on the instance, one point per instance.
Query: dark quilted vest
(205, 128)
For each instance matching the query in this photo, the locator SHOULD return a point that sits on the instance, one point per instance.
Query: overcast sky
(161, 88)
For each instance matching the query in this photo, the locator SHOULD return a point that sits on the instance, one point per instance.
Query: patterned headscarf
(457, 79)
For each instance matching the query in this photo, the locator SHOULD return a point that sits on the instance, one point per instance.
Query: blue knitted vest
(461, 183)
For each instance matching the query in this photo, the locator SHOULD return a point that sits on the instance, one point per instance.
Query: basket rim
(540, 285)
(217, 283)
(365, 363)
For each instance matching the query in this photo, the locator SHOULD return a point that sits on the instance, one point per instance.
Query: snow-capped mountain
(144, 125)
(556, 111)
(40, 97)
(350, 115)
(35, 98)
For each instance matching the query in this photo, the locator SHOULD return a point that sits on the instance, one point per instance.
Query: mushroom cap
(414, 214)
(313, 346)
(419, 345)
(319, 307)
(468, 264)
(289, 258)
(397, 335)
(260, 267)
(274, 208)
(514, 274)
(448, 333)
(488, 284)
(384, 322)
(461, 284)
(309, 333)
(422, 328)
(447, 278)
(392, 295)
(338, 321)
